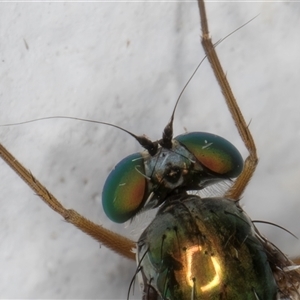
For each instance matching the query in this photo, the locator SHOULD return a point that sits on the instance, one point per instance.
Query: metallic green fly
(195, 248)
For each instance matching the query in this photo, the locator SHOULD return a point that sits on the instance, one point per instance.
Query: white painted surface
(126, 63)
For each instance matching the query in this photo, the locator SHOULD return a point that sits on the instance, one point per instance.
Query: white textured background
(126, 63)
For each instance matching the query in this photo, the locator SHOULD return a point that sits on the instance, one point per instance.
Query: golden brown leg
(241, 182)
(296, 260)
(110, 239)
(251, 161)
(114, 241)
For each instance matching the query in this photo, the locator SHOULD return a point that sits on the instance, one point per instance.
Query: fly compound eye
(213, 152)
(124, 191)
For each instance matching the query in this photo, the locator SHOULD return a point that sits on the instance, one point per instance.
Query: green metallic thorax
(204, 249)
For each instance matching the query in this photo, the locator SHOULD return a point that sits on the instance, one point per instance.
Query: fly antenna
(166, 141)
(150, 146)
(168, 131)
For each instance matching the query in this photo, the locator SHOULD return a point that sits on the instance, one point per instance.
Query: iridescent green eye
(214, 152)
(124, 191)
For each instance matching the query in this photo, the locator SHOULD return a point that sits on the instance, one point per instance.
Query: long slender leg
(237, 189)
(251, 161)
(114, 241)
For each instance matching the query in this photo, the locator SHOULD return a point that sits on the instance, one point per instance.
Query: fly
(29, 43)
